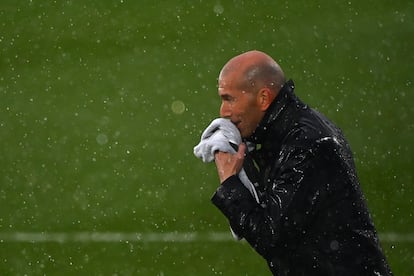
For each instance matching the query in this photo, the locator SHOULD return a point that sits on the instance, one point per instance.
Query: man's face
(241, 107)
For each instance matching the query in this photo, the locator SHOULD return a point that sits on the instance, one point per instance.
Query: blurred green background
(101, 103)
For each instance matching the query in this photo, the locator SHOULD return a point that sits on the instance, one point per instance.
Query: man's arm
(261, 226)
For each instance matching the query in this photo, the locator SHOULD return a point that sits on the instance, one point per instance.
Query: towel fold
(220, 135)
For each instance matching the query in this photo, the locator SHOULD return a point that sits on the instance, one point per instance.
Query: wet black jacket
(313, 219)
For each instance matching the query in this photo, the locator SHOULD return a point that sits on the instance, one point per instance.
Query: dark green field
(101, 103)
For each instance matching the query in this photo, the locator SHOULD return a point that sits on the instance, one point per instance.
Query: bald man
(312, 218)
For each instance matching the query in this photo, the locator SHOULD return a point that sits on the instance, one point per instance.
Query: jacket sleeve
(281, 210)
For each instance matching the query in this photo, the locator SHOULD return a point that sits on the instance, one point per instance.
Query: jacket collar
(278, 117)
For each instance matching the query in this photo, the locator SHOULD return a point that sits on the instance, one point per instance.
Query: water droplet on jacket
(334, 245)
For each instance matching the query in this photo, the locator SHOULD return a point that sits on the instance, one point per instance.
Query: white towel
(219, 136)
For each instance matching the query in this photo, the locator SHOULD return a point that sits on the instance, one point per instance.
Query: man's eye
(228, 98)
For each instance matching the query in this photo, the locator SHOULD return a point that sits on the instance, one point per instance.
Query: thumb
(242, 150)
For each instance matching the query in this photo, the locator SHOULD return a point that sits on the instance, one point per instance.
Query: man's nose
(225, 111)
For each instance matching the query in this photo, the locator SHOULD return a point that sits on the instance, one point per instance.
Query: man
(311, 218)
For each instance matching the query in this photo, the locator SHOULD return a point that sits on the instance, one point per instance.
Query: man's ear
(265, 98)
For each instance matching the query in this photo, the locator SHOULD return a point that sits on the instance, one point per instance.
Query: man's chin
(243, 134)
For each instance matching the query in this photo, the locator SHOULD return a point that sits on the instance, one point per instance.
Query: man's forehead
(231, 91)
(227, 86)
(229, 79)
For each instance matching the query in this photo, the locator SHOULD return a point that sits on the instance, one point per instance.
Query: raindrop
(218, 9)
(334, 245)
(178, 107)
(102, 139)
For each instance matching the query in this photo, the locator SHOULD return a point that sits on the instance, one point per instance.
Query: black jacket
(313, 219)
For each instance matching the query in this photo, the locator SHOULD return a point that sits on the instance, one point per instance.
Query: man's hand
(229, 164)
